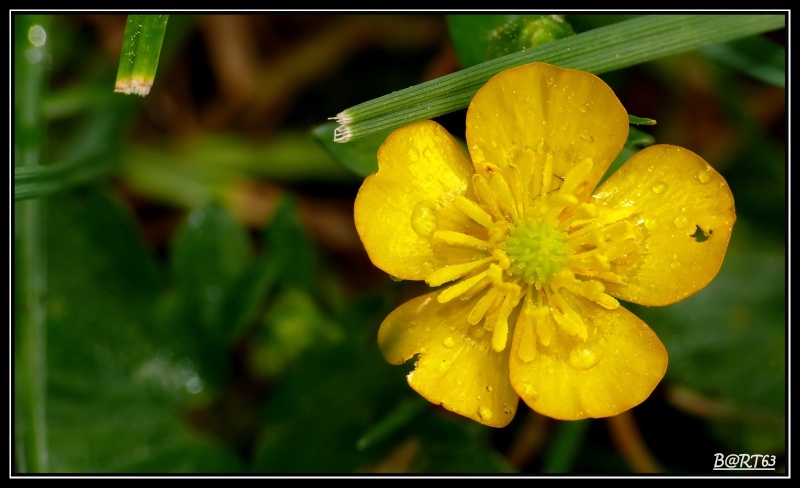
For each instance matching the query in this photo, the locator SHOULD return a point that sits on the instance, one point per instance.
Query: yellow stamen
(473, 211)
(460, 288)
(461, 240)
(450, 273)
(486, 195)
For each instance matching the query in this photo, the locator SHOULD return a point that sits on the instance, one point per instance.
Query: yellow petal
(456, 367)
(523, 114)
(679, 199)
(422, 169)
(615, 369)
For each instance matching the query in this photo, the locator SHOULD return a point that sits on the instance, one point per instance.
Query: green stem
(31, 277)
(598, 51)
(562, 451)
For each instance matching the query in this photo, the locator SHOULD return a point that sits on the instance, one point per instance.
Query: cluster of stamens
(535, 239)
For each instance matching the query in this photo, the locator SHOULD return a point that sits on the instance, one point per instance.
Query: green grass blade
(598, 51)
(30, 285)
(34, 182)
(141, 49)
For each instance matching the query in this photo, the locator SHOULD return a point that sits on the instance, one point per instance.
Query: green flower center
(537, 251)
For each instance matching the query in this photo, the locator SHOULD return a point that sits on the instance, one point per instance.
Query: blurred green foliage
(204, 303)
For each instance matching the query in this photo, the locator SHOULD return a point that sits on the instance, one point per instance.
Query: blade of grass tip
(141, 48)
(560, 456)
(597, 51)
(30, 279)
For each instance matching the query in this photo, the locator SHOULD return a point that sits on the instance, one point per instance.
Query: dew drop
(428, 153)
(584, 357)
(395, 278)
(585, 107)
(424, 350)
(585, 135)
(449, 342)
(488, 388)
(570, 96)
(550, 82)
(485, 413)
(681, 222)
(659, 188)
(675, 265)
(423, 219)
(703, 176)
(413, 154)
(506, 409)
(651, 223)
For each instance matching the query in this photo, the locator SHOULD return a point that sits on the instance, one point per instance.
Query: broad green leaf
(114, 389)
(209, 252)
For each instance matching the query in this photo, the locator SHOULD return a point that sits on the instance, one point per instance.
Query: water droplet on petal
(675, 265)
(413, 154)
(681, 222)
(584, 357)
(449, 342)
(703, 176)
(585, 135)
(423, 219)
(485, 413)
(550, 82)
(427, 153)
(659, 188)
(651, 223)
(395, 278)
(424, 350)
(585, 107)
(488, 388)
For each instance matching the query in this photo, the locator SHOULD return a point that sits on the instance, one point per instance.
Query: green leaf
(360, 157)
(634, 120)
(455, 445)
(292, 325)
(141, 49)
(328, 399)
(287, 241)
(756, 56)
(209, 252)
(114, 388)
(598, 51)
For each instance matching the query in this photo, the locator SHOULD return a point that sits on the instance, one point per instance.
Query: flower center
(537, 251)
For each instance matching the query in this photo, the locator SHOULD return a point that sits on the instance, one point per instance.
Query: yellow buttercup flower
(529, 257)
